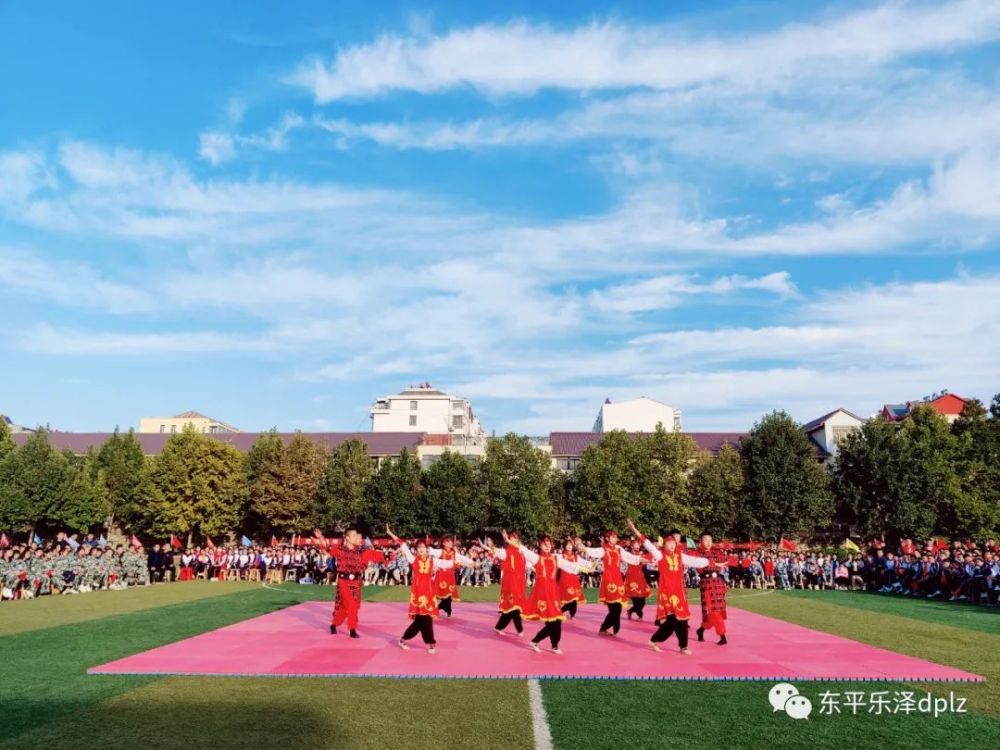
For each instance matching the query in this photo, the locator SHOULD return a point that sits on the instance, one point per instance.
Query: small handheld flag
(134, 541)
(245, 541)
(209, 543)
(174, 541)
(274, 541)
(102, 542)
(789, 545)
(4, 541)
(38, 539)
(690, 542)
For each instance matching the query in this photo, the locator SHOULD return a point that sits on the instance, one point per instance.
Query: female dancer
(672, 611)
(570, 590)
(543, 604)
(636, 585)
(612, 589)
(423, 603)
(512, 582)
(445, 587)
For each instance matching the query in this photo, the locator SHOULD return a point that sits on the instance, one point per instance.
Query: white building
(423, 408)
(637, 415)
(176, 423)
(827, 431)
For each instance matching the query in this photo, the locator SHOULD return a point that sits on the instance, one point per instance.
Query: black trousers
(552, 630)
(423, 624)
(514, 616)
(638, 603)
(570, 608)
(445, 605)
(613, 619)
(670, 626)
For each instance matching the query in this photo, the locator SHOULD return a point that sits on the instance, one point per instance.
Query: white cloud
(522, 58)
(662, 292)
(216, 147)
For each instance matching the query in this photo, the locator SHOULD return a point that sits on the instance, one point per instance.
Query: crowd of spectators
(959, 571)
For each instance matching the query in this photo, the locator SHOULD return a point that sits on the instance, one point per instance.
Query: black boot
(354, 634)
(333, 629)
(723, 641)
(701, 634)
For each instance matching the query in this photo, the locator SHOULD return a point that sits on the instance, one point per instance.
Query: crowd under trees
(916, 478)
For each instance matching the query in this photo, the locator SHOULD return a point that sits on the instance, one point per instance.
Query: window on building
(413, 406)
(839, 433)
(457, 422)
(173, 428)
(413, 420)
(163, 428)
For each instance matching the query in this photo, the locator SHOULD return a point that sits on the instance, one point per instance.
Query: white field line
(539, 720)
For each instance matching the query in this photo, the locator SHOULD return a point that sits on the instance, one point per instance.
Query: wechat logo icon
(785, 697)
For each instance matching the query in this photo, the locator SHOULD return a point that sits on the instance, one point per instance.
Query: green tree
(33, 484)
(606, 484)
(84, 502)
(199, 486)
(284, 482)
(976, 512)
(395, 495)
(666, 463)
(6, 439)
(344, 486)
(787, 490)
(122, 478)
(450, 503)
(715, 490)
(513, 480)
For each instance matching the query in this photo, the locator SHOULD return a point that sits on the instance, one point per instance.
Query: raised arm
(630, 558)
(407, 552)
(694, 562)
(464, 559)
(529, 556)
(573, 568)
(652, 550)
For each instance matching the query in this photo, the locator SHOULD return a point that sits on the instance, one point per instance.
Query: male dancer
(612, 589)
(672, 611)
(713, 589)
(351, 563)
(512, 582)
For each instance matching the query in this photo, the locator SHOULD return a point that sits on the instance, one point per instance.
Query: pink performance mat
(296, 642)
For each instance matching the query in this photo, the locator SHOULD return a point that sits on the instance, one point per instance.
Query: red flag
(134, 541)
(174, 541)
(209, 543)
(4, 541)
(789, 545)
(274, 541)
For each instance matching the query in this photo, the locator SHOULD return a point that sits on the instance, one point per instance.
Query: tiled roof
(820, 421)
(379, 443)
(574, 443)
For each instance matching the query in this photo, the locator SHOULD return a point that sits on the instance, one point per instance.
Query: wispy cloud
(522, 57)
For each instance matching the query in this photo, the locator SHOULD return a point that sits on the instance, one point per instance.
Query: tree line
(915, 478)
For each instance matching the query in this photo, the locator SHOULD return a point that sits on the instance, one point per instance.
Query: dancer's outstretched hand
(632, 528)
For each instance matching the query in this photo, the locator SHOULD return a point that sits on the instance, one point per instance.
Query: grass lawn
(47, 699)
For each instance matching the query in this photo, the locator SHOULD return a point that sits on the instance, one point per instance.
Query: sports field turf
(47, 699)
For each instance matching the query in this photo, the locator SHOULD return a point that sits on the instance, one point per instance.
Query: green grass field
(47, 699)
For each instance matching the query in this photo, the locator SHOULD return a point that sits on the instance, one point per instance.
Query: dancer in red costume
(713, 589)
(445, 587)
(543, 604)
(570, 590)
(512, 582)
(612, 589)
(423, 607)
(672, 610)
(351, 563)
(636, 585)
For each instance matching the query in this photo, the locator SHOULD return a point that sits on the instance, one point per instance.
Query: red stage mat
(295, 642)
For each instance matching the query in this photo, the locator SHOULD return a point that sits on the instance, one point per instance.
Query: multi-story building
(14, 428)
(423, 408)
(176, 423)
(637, 415)
(827, 431)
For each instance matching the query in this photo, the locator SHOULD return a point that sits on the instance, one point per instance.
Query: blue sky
(275, 213)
